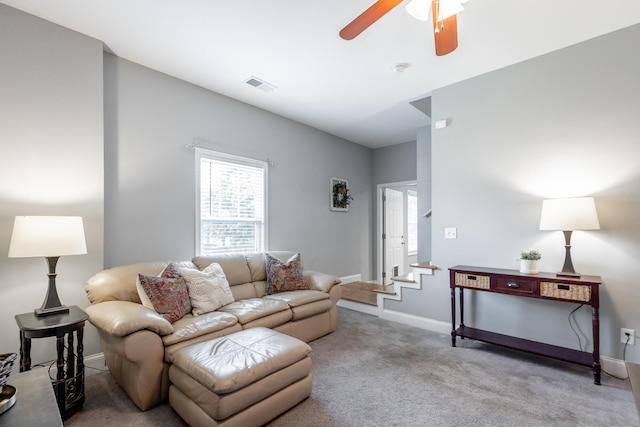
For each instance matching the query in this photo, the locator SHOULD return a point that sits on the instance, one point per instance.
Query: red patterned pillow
(284, 276)
(169, 296)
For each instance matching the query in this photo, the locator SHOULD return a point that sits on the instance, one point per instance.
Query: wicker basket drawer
(565, 291)
(472, 281)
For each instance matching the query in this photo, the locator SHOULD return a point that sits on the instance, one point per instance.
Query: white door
(393, 237)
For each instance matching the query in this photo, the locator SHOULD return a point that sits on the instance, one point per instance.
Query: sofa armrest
(121, 318)
(320, 281)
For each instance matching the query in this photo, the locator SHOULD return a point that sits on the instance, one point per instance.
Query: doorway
(396, 237)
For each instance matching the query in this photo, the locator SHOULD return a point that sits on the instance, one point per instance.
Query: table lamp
(50, 237)
(576, 213)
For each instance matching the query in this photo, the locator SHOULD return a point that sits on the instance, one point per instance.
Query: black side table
(68, 385)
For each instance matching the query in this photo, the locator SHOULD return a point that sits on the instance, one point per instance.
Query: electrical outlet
(631, 337)
(450, 233)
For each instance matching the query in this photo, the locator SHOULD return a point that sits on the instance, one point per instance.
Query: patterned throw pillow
(169, 297)
(284, 276)
(208, 289)
(169, 272)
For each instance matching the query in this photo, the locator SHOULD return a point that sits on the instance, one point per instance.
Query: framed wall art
(340, 197)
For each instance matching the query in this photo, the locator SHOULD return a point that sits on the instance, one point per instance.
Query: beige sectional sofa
(138, 343)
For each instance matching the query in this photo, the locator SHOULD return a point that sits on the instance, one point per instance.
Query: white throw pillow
(208, 289)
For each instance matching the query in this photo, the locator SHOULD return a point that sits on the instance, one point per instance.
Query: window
(412, 222)
(231, 204)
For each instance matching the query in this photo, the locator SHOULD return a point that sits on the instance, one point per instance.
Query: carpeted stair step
(365, 292)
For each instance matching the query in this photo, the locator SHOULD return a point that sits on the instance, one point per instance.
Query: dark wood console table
(583, 290)
(68, 385)
(36, 403)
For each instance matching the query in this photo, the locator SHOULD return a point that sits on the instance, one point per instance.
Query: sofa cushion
(208, 289)
(258, 267)
(234, 266)
(284, 276)
(297, 298)
(312, 309)
(169, 297)
(190, 326)
(251, 309)
(271, 321)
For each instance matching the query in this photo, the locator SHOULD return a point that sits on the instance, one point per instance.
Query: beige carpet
(372, 372)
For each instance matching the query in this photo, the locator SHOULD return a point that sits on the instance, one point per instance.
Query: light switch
(441, 124)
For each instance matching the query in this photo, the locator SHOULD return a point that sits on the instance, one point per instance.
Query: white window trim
(216, 155)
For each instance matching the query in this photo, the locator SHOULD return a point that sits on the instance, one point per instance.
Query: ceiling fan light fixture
(419, 9)
(447, 8)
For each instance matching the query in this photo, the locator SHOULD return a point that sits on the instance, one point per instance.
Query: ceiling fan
(443, 16)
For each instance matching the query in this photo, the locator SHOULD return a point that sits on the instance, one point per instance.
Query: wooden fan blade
(446, 38)
(368, 17)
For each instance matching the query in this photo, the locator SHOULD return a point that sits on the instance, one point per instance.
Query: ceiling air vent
(260, 84)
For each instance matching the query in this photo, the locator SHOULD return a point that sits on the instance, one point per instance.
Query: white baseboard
(614, 367)
(95, 361)
(350, 279)
(417, 321)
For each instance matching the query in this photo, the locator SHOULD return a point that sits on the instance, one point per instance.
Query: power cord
(624, 359)
(574, 329)
(571, 325)
(53, 364)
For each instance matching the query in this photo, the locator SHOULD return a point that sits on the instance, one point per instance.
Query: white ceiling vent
(260, 84)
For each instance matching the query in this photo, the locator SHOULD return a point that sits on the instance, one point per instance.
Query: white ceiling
(346, 88)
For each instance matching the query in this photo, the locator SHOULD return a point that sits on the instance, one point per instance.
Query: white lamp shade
(576, 213)
(47, 236)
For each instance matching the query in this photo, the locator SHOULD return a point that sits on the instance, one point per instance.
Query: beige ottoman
(243, 379)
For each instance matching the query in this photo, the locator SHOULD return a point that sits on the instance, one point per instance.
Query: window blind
(232, 205)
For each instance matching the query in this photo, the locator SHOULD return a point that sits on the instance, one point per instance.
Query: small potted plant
(529, 262)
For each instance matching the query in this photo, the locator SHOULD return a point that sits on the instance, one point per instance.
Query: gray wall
(391, 164)
(51, 127)
(394, 163)
(564, 124)
(423, 161)
(150, 193)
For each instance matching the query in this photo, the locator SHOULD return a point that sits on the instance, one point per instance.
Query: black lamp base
(567, 274)
(40, 312)
(51, 304)
(567, 268)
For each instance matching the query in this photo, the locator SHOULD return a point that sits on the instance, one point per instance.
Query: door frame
(380, 222)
